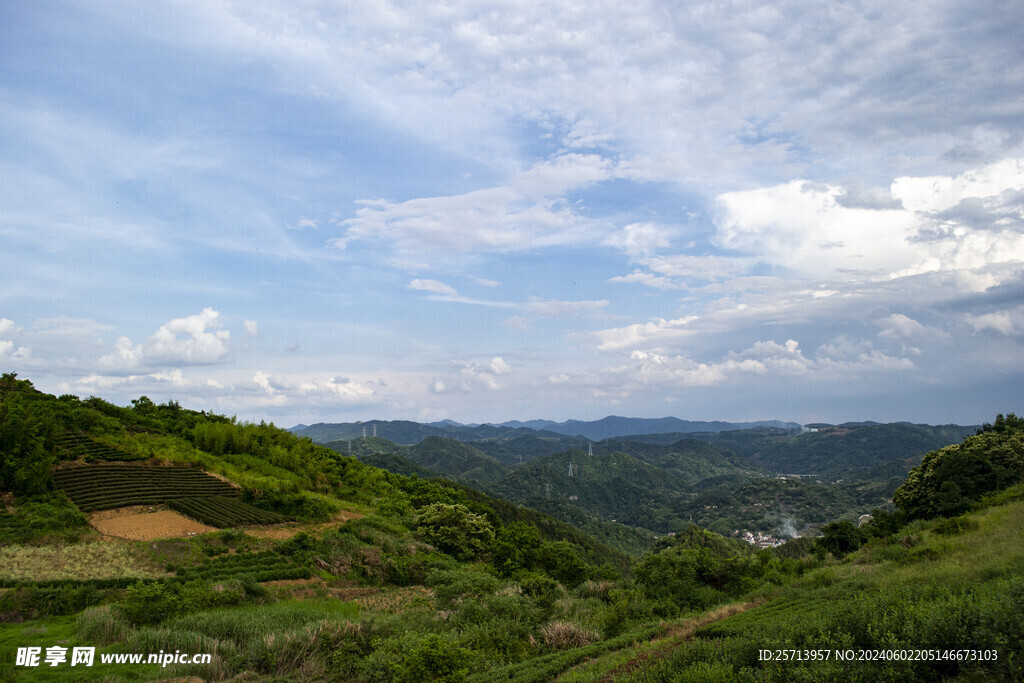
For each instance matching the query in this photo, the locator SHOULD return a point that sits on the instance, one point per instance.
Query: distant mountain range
(751, 478)
(406, 432)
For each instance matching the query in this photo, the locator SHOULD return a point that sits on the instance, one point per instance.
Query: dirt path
(675, 634)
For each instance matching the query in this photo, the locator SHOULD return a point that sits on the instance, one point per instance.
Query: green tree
(949, 480)
(453, 529)
(562, 561)
(25, 457)
(840, 538)
(515, 548)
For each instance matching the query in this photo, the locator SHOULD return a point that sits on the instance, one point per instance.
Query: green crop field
(222, 511)
(185, 489)
(72, 446)
(106, 486)
(262, 566)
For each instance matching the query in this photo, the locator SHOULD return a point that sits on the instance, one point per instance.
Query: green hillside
(514, 451)
(346, 572)
(431, 457)
(837, 452)
(615, 486)
(446, 456)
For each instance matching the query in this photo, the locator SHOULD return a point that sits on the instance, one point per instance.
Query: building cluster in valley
(759, 539)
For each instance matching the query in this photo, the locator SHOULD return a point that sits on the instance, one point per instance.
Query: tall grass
(935, 586)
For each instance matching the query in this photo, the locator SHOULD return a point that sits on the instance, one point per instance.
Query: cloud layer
(302, 212)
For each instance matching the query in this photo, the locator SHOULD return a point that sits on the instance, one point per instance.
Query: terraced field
(222, 511)
(188, 490)
(263, 566)
(72, 446)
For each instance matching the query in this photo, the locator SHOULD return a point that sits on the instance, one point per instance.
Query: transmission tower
(590, 449)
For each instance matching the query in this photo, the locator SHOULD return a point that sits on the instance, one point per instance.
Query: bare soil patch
(143, 523)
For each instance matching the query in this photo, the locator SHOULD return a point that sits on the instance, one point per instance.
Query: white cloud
(336, 390)
(252, 329)
(641, 240)
(193, 340)
(646, 369)
(899, 326)
(124, 356)
(499, 367)
(1009, 322)
(432, 286)
(552, 308)
(648, 279)
(7, 350)
(699, 91)
(802, 227)
(262, 380)
(471, 376)
(939, 193)
(654, 334)
(527, 213)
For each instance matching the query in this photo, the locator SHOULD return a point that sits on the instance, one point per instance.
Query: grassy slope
(920, 589)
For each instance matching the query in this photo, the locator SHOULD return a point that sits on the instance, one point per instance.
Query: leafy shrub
(954, 525)
(840, 538)
(434, 658)
(562, 561)
(454, 586)
(148, 603)
(542, 589)
(34, 602)
(499, 626)
(301, 505)
(42, 516)
(515, 548)
(153, 602)
(417, 658)
(455, 530)
(26, 455)
(627, 606)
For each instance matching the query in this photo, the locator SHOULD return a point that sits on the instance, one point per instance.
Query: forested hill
(51, 447)
(615, 426)
(407, 433)
(725, 481)
(843, 451)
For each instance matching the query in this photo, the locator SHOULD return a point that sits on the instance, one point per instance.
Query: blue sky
(328, 211)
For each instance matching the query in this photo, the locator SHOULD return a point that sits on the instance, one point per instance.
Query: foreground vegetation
(377, 576)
